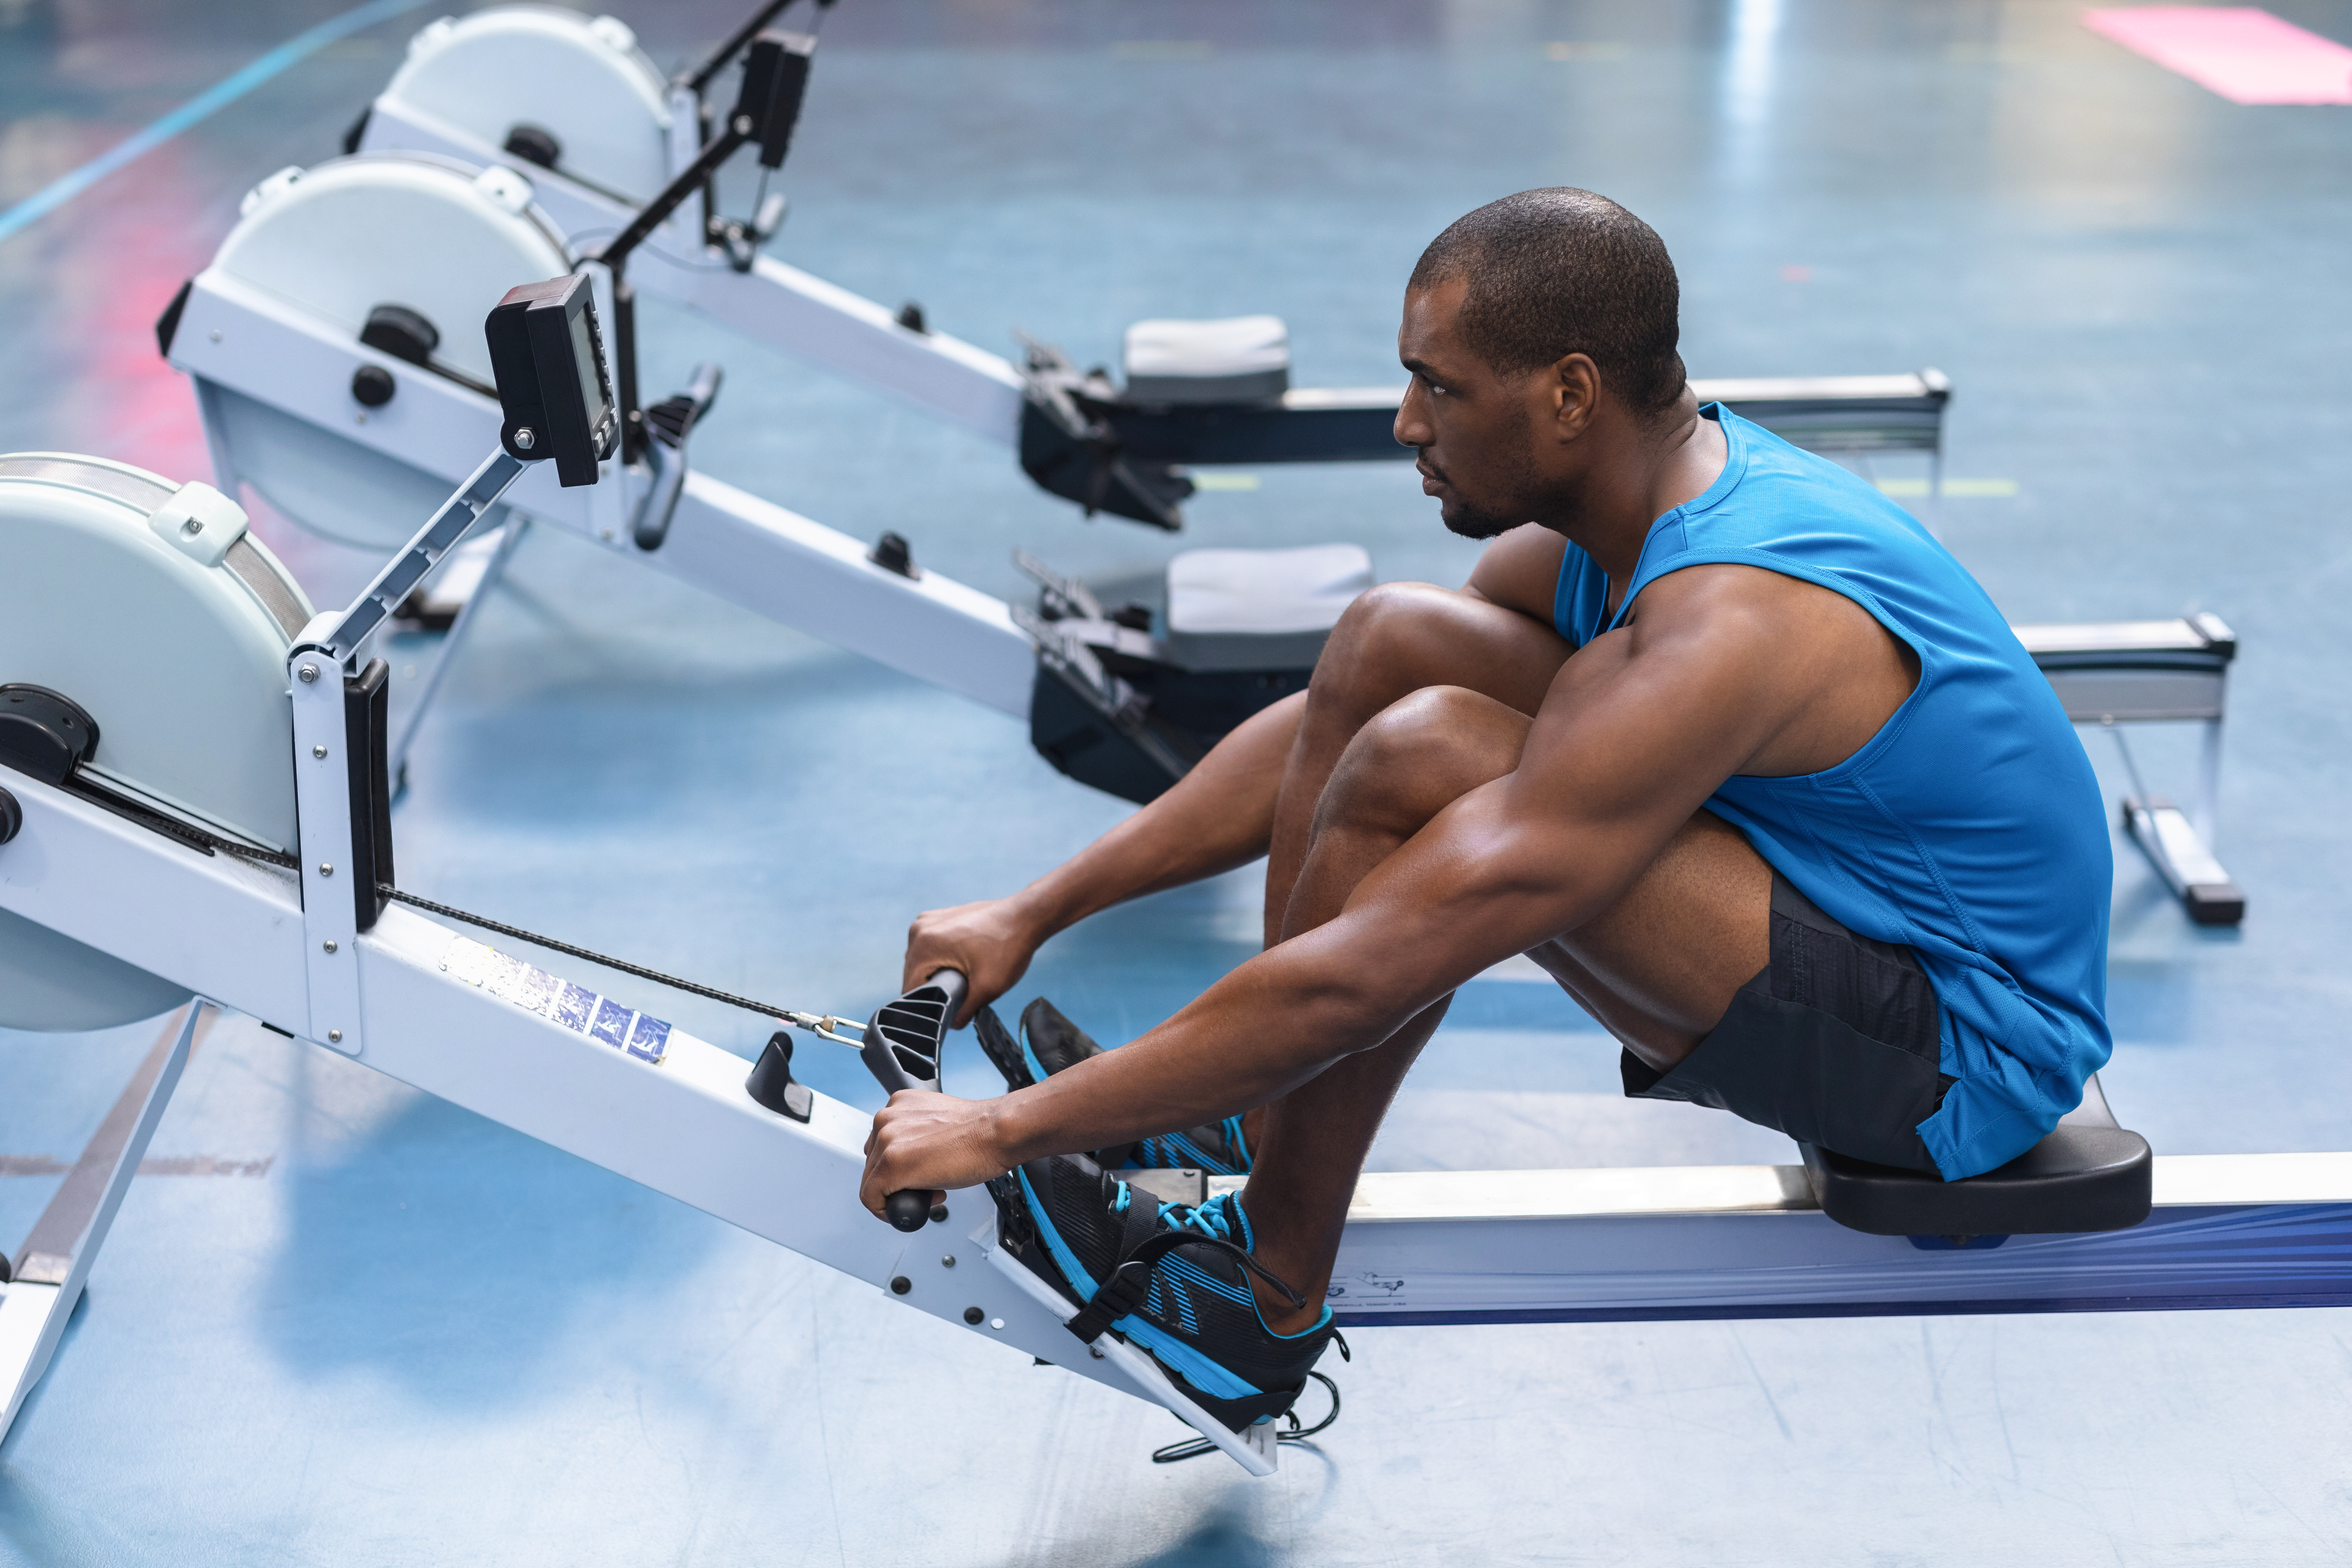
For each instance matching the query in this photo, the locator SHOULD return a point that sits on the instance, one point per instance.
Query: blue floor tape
(63, 188)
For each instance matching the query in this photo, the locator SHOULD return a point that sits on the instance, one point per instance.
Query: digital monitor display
(584, 353)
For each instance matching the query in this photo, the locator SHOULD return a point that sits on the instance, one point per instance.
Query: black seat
(2088, 1174)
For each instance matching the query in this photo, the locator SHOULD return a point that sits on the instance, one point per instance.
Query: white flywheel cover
(335, 242)
(394, 228)
(151, 605)
(585, 80)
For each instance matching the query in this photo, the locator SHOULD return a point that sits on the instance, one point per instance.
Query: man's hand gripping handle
(904, 1043)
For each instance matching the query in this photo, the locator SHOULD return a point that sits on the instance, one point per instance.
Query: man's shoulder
(1782, 485)
(1727, 594)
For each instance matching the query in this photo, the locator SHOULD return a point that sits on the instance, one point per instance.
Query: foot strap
(1131, 1278)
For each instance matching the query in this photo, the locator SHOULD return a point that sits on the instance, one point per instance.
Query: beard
(1514, 501)
(1461, 517)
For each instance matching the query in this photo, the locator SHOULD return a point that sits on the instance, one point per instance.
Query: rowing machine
(153, 870)
(575, 106)
(324, 383)
(185, 698)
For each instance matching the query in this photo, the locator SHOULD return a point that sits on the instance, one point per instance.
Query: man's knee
(1380, 648)
(1419, 754)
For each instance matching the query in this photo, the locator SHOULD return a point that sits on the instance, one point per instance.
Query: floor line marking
(66, 187)
(65, 1224)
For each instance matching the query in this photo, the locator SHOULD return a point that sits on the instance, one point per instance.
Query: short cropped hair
(1559, 271)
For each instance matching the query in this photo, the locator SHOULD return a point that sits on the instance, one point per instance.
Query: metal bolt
(308, 672)
(524, 439)
(743, 128)
(331, 944)
(326, 868)
(319, 752)
(973, 1316)
(901, 1284)
(1095, 1352)
(192, 528)
(949, 1261)
(334, 1036)
(995, 1323)
(939, 1214)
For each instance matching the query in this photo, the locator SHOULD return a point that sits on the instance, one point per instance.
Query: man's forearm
(1257, 1034)
(1461, 895)
(1218, 816)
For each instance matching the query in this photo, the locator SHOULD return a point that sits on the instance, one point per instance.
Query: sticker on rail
(575, 1007)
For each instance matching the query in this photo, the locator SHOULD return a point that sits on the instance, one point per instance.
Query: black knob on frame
(373, 386)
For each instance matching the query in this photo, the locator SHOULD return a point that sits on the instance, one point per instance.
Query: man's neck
(1640, 473)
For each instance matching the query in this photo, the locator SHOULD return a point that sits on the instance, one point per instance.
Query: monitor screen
(583, 351)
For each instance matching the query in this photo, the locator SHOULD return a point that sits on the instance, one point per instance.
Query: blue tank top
(1970, 828)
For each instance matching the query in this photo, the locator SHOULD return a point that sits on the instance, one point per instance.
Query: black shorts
(1834, 1043)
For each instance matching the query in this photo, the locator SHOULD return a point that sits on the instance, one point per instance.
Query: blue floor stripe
(63, 188)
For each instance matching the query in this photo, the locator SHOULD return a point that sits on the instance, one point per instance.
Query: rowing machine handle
(904, 1043)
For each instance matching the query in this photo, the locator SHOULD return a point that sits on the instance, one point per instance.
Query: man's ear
(1575, 395)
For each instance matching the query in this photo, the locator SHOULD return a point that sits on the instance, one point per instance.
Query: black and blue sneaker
(1050, 1043)
(1171, 1279)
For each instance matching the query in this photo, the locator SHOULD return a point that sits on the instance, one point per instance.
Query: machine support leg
(50, 1271)
(452, 640)
(2206, 816)
(2180, 847)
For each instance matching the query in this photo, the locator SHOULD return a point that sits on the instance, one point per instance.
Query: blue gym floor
(376, 1329)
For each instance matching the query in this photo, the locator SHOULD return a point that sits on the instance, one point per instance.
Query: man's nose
(1413, 427)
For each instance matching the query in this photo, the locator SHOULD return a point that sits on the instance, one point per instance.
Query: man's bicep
(1613, 768)
(1637, 731)
(1634, 736)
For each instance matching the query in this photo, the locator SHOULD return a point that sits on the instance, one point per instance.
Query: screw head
(326, 868)
(742, 127)
(329, 944)
(309, 673)
(949, 1261)
(973, 1316)
(334, 1036)
(319, 752)
(939, 1214)
(901, 1284)
(192, 528)
(524, 438)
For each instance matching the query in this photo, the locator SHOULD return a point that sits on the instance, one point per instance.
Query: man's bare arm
(1216, 817)
(1219, 815)
(1519, 571)
(1638, 729)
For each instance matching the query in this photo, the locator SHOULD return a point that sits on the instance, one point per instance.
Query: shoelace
(1209, 1219)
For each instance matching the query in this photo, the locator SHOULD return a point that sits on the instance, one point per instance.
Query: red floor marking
(2246, 55)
